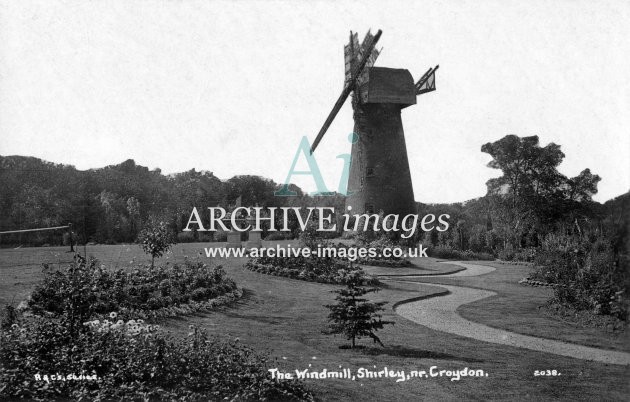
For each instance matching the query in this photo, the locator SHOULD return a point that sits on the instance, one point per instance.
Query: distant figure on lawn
(71, 238)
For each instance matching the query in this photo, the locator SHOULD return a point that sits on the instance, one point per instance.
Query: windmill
(379, 179)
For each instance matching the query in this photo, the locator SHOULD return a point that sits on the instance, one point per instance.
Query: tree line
(111, 204)
(527, 203)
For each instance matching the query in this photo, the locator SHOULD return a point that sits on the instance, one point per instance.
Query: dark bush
(220, 236)
(587, 275)
(507, 254)
(525, 254)
(451, 253)
(192, 237)
(185, 237)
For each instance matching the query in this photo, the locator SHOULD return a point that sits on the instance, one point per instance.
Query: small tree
(155, 239)
(354, 316)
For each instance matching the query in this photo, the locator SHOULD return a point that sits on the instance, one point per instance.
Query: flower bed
(324, 270)
(47, 358)
(452, 254)
(146, 293)
(71, 350)
(184, 308)
(384, 262)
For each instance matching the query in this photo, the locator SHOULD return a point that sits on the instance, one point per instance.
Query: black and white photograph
(275, 200)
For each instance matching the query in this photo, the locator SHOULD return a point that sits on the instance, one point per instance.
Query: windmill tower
(379, 179)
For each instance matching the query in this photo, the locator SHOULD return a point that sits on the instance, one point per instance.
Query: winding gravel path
(470, 270)
(439, 313)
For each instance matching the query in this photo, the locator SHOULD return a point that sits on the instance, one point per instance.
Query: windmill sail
(369, 42)
(349, 56)
(353, 53)
(426, 83)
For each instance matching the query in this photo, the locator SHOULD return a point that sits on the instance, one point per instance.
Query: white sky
(231, 87)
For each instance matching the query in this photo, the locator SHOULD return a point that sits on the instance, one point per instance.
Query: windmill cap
(389, 85)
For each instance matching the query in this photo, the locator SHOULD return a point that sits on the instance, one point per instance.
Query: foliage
(220, 236)
(507, 254)
(354, 316)
(311, 237)
(131, 361)
(85, 289)
(126, 358)
(530, 200)
(324, 270)
(155, 238)
(192, 237)
(587, 274)
(532, 197)
(278, 236)
(108, 205)
(523, 255)
(477, 238)
(349, 234)
(378, 244)
(10, 316)
(585, 318)
(392, 262)
(454, 254)
(377, 237)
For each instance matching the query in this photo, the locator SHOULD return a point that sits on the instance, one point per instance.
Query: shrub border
(525, 263)
(386, 263)
(185, 308)
(254, 267)
(531, 282)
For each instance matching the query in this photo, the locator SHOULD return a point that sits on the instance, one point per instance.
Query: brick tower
(380, 179)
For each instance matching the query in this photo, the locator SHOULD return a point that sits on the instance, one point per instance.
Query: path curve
(439, 313)
(469, 270)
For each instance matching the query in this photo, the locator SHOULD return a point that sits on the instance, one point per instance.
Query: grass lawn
(516, 308)
(285, 317)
